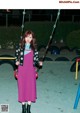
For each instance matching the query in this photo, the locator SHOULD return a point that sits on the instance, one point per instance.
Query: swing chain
(50, 39)
(22, 26)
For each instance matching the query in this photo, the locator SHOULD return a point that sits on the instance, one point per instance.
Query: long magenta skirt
(27, 80)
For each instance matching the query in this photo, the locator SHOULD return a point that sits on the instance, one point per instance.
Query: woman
(27, 59)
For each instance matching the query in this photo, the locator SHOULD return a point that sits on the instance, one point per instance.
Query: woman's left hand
(40, 63)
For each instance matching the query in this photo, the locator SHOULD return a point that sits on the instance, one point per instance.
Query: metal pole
(29, 17)
(6, 19)
(51, 17)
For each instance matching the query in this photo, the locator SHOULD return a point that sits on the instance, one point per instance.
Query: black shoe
(28, 108)
(24, 108)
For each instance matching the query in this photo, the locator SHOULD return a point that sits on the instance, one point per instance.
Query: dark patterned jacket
(19, 56)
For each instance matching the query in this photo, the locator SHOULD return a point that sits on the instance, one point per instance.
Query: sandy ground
(56, 89)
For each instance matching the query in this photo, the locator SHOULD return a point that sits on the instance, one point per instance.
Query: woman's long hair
(33, 42)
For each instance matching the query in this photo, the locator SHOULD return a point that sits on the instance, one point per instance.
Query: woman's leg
(23, 107)
(29, 102)
(28, 106)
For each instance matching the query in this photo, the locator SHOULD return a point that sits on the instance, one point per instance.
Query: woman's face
(28, 39)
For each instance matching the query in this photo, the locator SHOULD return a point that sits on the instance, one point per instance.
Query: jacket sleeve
(36, 58)
(17, 52)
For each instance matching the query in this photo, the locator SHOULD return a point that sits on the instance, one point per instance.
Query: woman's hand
(17, 63)
(40, 63)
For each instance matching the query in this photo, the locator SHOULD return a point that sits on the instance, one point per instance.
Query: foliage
(9, 37)
(73, 39)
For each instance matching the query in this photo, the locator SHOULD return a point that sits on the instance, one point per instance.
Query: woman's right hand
(17, 63)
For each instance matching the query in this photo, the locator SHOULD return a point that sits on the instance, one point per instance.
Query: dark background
(41, 22)
(14, 16)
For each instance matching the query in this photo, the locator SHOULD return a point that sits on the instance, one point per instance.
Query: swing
(48, 45)
(22, 31)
